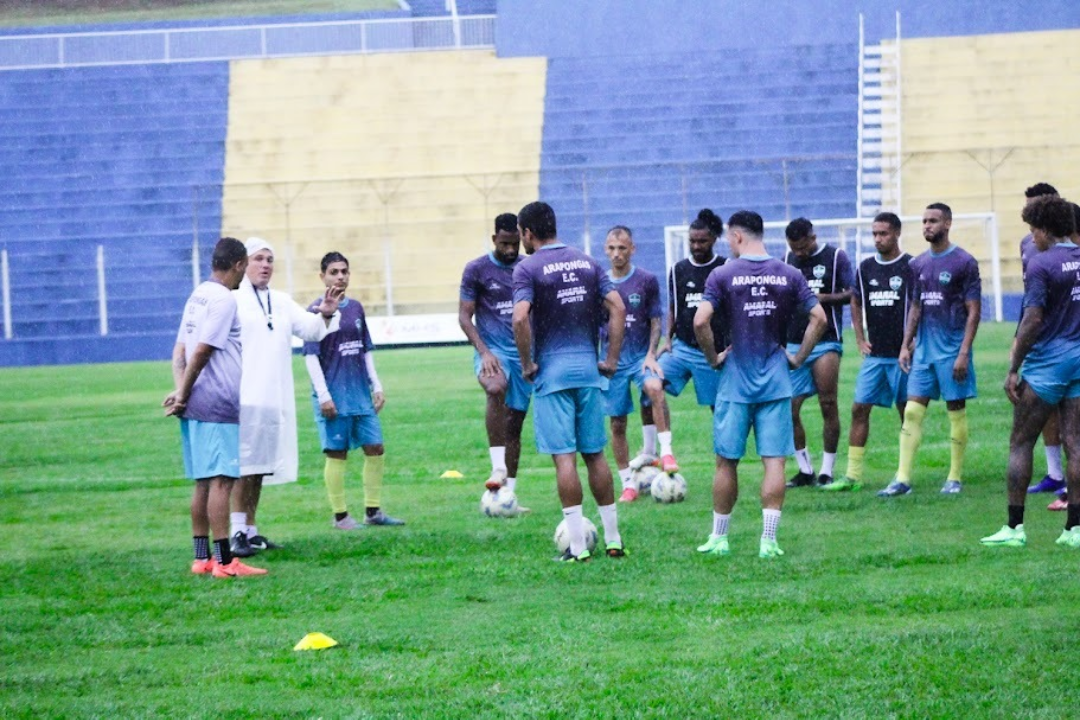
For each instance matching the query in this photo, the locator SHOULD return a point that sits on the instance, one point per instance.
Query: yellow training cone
(315, 641)
(452, 474)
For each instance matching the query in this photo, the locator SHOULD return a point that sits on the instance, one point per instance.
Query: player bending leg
(640, 293)
(757, 297)
(881, 296)
(559, 294)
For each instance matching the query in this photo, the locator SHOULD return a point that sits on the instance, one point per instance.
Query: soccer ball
(669, 488)
(500, 503)
(562, 535)
(643, 478)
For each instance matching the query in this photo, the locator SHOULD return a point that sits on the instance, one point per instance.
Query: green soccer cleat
(844, 484)
(616, 550)
(1006, 537)
(769, 549)
(1070, 538)
(568, 557)
(715, 545)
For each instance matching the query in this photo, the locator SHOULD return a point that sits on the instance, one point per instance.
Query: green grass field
(879, 609)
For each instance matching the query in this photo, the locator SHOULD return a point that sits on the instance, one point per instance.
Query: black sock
(202, 547)
(222, 553)
(341, 516)
(372, 512)
(1016, 515)
(1072, 516)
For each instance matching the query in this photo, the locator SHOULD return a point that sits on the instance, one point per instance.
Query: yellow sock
(910, 437)
(958, 433)
(373, 472)
(855, 462)
(334, 475)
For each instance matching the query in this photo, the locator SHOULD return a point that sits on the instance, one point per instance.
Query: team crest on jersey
(895, 282)
(635, 300)
(819, 271)
(944, 277)
(359, 325)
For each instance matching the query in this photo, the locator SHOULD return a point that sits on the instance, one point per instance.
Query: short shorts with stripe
(348, 432)
(935, 381)
(518, 390)
(771, 422)
(210, 449)
(881, 382)
(618, 399)
(683, 363)
(1053, 378)
(802, 380)
(569, 421)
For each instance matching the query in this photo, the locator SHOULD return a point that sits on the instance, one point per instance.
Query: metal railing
(347, 37)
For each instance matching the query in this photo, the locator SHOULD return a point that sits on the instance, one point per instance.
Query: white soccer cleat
(643, 459)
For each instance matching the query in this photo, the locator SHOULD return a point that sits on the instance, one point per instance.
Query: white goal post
(975, 232)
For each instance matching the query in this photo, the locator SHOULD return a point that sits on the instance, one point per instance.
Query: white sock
(237, 523)
(626, 476)
(1053, 462)
(574, 527)
(770, 521)
(665, 442)
(803, 458)
(828, 460)
(252, 531)
(498, 457)
(720, 523)
(610, 518)
(510, 483)
(648, 433)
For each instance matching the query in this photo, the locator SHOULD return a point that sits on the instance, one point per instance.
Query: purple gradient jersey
(490, 284)
(1027, 251)
(640, 293)
(943, 283)
(341, 356)
(1052, 282)
(566, 289)
(210, 318)
(758, 298)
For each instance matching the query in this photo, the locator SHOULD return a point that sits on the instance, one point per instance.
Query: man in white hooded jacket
(268, 448)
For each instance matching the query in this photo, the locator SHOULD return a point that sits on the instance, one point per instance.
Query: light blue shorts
(802, 380)
(684, 363)
(1053, 378)
(881, 382)
(348, 432)
(935, 381)
(568, 421)
(618, 400)
(210, 449)
(518, 390)
(771, 421)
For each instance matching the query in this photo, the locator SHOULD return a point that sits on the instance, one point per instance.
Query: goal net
(975, 232)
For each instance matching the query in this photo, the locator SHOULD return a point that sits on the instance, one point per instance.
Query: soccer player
(828, 273)
(487, 292)
(206, 372)
(640, 293)
(757, 297)
(559, 295)
(882, 295)
(679, 358)
(347, 397)
(269, 319)
(941, 327)
(1046, 351)
(1054, 481)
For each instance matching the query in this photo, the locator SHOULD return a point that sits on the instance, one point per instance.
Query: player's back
(210, 317)
(1053, 282)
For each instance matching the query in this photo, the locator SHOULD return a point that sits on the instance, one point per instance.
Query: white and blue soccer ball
(500, 503)
(668, 488)
(562, 535)
(643, 478)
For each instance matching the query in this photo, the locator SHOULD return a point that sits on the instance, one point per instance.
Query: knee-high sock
(334, 475)
(855, 462)
(958, 433)
(373, 472)
(910, 437)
